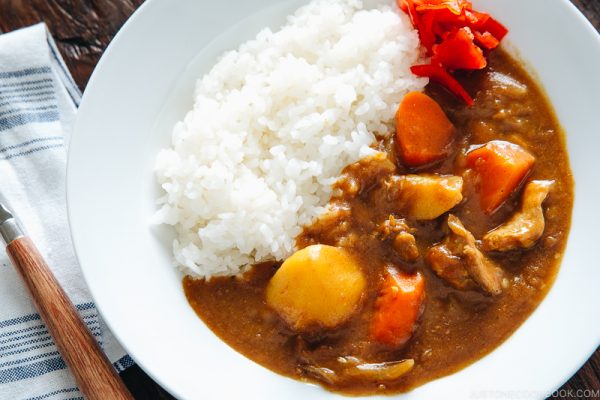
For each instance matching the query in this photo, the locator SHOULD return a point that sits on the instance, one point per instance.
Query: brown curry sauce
(457, 327)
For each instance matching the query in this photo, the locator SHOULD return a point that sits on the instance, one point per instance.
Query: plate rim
(138, 14)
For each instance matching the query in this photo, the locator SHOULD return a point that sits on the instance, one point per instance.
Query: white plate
(144, 83)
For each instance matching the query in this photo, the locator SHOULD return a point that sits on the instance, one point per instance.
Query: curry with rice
(430, 254)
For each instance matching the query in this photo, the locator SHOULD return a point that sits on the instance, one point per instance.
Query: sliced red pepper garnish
(455, 36)
(457, 51)
(476, 20)
(494, 27)
(486, 40)
(408, 6)
(438, 74)
(427, 32)
(456, 7)
(444, 21)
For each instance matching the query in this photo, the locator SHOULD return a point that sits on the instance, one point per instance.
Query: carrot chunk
(423, 132)
(501, 167)
(398, 307)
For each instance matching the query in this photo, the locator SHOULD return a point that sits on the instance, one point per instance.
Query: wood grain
(591, 9)
(93, 372)
(83, 29)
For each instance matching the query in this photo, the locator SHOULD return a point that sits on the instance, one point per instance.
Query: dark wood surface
(83, 29)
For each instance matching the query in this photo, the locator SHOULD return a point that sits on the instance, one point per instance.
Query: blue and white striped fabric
(38, 101)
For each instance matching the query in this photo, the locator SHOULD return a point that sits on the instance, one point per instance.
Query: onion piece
(323, 374)
(385, 371)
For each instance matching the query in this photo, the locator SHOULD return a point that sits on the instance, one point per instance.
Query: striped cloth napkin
(38, 101)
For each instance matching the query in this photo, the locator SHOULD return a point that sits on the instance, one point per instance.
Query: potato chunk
(317, 287)
(425, 197)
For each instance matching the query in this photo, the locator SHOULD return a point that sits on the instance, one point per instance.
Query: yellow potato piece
(317, 287)
(426, 197)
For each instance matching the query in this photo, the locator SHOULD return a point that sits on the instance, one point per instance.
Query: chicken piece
(425, 197)
(482, 270)
(392, 226)
(449, 267)
(458, 260)
(526, 226)
(404, 242)
(364, 173)
(333, 227)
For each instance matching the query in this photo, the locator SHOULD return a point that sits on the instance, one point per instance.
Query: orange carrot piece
(423, 131)
(398, 307)
(502, 167)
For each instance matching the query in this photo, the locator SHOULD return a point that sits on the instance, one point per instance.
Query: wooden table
(84, 28)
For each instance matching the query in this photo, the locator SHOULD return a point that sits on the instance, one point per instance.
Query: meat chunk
(403, 240)
(364, 173)
(406, 246)
(458, 261)
(424, 197)
(526, 226)
(392, 226)
(449, 267)
(333, 227)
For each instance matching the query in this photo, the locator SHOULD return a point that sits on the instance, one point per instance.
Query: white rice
(273, 125)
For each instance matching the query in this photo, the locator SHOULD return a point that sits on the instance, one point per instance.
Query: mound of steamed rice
(273, 125)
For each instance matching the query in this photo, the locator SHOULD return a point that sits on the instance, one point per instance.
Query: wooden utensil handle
(93, 372)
